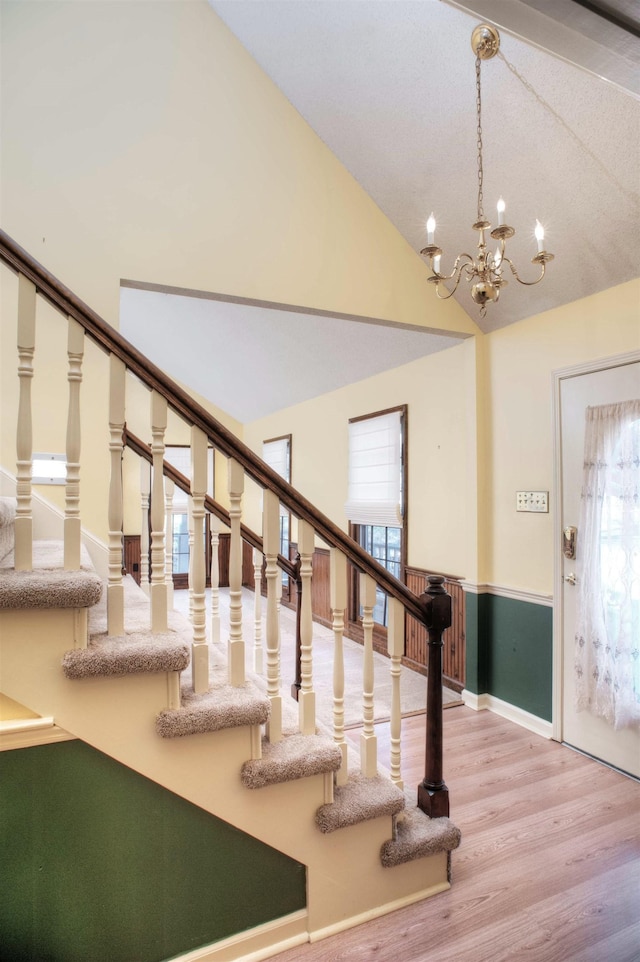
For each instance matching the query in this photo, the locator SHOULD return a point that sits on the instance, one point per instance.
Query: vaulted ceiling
(389, 86)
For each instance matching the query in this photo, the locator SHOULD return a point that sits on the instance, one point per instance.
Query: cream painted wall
(440, 393)
(141, 141)
(518, 550)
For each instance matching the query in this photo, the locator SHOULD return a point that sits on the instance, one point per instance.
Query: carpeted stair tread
(48, 585)
(127, 655)
(294, 756)
(359, 800)
(223, 706)
(418, 836)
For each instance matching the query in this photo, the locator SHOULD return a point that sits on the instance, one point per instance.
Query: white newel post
(169, 488)
(257, 612)
(214, 525)
(395, 647)
(236, 642)
(368, 739)
(145, 493)
(306, 695)
(338, 603)
(158, 586)
(72, 523)
(271, 545)
(199, 648)
(115, 589)
(24, 437)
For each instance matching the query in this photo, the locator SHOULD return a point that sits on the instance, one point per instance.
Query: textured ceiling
(389, 86)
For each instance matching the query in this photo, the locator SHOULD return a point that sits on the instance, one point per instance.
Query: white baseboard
(257, 944)
(29, 732)
(511, 712)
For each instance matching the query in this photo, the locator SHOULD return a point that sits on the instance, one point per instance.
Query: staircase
(112, 664)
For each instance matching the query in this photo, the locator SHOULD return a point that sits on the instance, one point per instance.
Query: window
(277, 454)
(376, 498)
(179, 457)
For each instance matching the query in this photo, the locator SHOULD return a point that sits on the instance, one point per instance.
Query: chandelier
(486, 270)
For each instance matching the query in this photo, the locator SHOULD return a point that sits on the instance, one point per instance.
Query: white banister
(199, 648)
(257, 612)
(236, 642)
(368, 739)
(72, 523)
(395, 647)
(271, 545)
(158, 586)
(145, 494)
(24, 437)
(214, 525)
(338, 604)
(115, 588)
(306, 695)
(169, 489)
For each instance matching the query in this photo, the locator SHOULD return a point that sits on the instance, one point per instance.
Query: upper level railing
(432, 609)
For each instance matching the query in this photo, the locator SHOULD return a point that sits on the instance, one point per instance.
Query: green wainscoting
(100, 864)
(510, 651)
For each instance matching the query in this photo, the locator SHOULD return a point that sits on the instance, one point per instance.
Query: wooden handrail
(112, 342)
(214, 507)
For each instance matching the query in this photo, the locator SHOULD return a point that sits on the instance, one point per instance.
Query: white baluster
(368, 739)
(72, 523)
(145, 492)
(338, 603)
(306, 695)
(158, 586)
(214, 524)
(199, 649)
(271, 545)
(169, 489)
(24, 444)
(190, 562)
(115, 588)
(236, 642)
(395, 647)
(257, 612)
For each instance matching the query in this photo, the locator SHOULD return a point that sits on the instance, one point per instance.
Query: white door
(582, 730)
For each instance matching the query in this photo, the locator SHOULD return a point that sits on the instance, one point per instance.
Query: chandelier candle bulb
(431, 228)
(501, 208)
(436, 263)
(539, 232)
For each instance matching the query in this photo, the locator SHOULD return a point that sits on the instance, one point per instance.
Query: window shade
(180, 459)
(277, 454)
(375, 471)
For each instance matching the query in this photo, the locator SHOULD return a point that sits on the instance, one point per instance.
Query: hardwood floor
(548, 869)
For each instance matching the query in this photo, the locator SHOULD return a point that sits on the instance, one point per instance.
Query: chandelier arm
(456, 272)
(543, 267)
(457, 269)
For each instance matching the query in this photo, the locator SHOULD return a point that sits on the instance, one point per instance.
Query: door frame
(576, 370)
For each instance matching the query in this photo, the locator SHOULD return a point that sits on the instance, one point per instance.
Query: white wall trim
(318, 934)
(557, 377)
(261, 942)
(505, 591)
(511, 712)
(31, 732)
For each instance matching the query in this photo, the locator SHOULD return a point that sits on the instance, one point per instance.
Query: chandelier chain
(479, 141)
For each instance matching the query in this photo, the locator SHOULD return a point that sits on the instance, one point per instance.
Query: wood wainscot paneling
(132, 556)
(453, 653)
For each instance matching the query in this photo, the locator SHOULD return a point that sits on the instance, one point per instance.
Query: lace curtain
(607, 643)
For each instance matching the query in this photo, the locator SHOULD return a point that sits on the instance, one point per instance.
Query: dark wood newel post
(433, 794)
(295, 688)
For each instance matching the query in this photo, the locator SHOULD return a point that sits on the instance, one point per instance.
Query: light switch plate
(537, 501)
